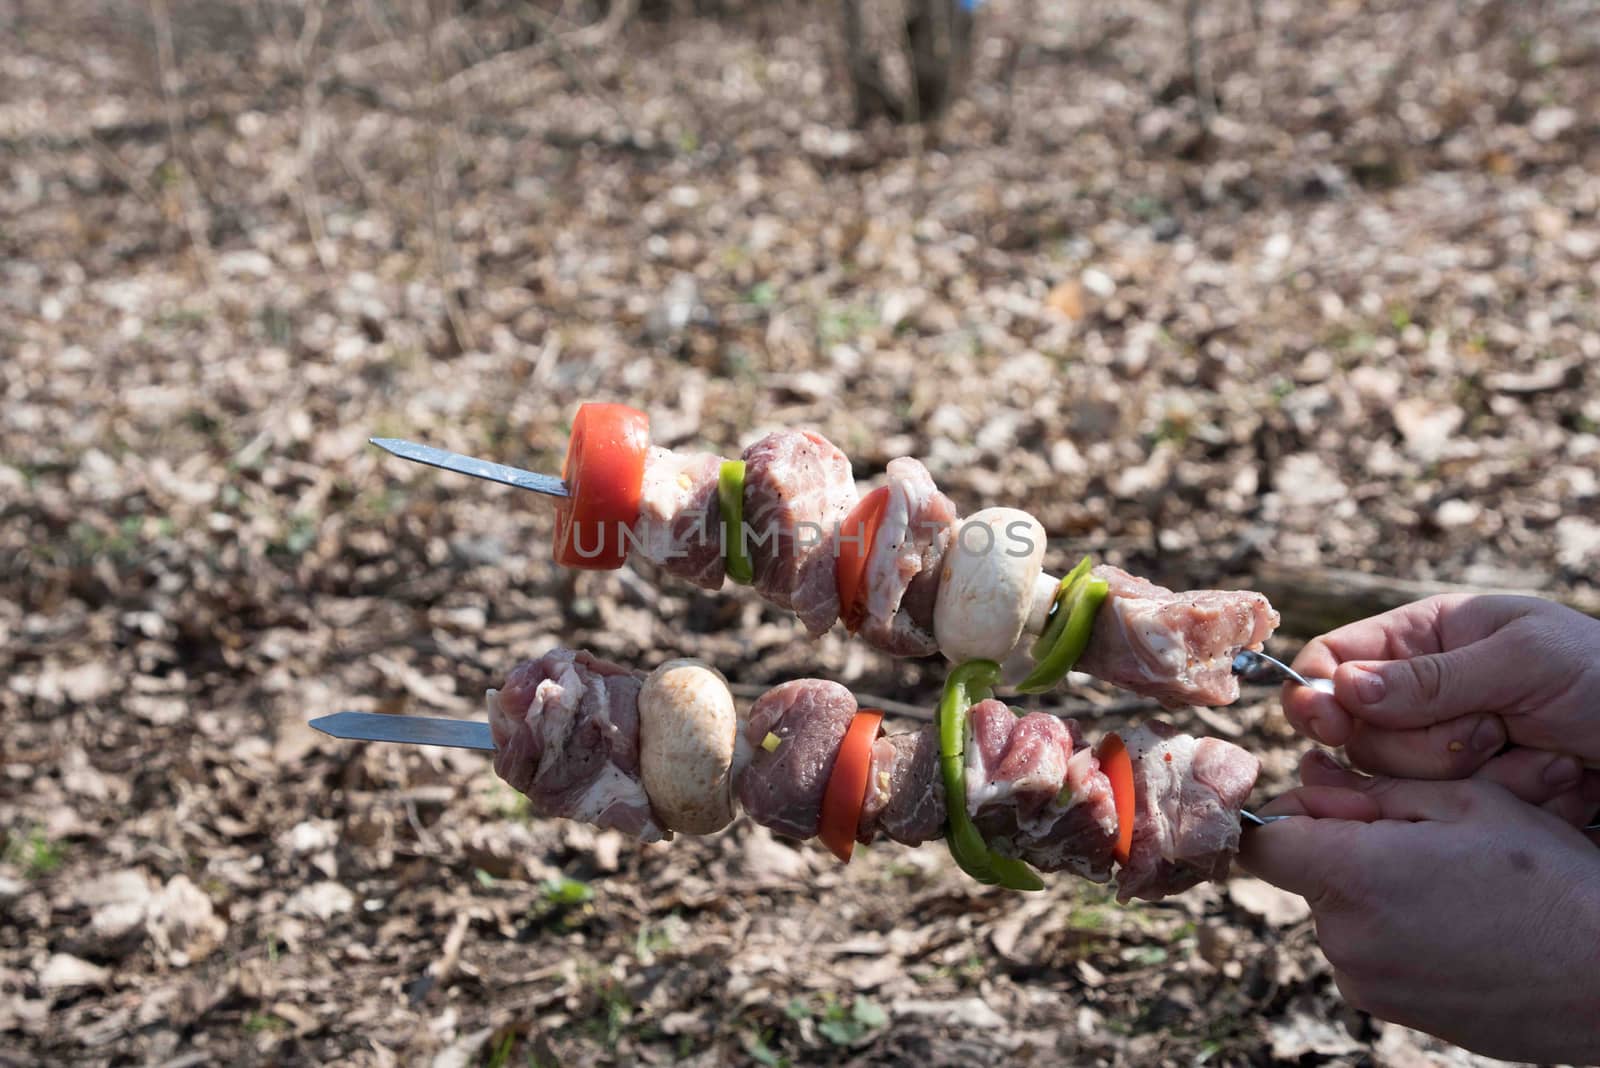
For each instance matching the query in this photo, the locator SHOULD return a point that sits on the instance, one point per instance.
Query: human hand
(1434, 689)
(1452, 907)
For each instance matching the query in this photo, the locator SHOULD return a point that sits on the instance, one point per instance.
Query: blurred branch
(177, 141)
(917, 59)
(855, 56)
(563, 53)
(440, 227)
(1022, 26)
(911, 10)
(1314, 600)
(136, 183)
(1199, 69)
(310, 118)
(616, 20)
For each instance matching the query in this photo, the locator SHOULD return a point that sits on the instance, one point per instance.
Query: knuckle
(1313, 650)
(1440, 603)
(1436, 611)
(1427, 678)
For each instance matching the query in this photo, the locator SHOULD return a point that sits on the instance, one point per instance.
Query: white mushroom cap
(986, 590)
(687, 727)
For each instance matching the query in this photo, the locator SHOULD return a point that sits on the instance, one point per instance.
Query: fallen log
(1314, 600)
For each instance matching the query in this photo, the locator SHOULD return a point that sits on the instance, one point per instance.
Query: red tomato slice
(1118, 766)
(604, 472)
(847, 784)
(856, 535)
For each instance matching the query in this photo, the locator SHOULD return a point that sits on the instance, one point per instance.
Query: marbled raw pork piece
(797, 490)
(679, 527)
(566, 734)
(1187, 795)
(1175, 647)
(911, 541)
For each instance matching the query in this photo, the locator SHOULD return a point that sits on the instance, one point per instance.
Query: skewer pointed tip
(506, 475)
(406, 730)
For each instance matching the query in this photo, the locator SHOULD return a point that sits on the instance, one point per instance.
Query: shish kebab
(896, 565)
(591, 740)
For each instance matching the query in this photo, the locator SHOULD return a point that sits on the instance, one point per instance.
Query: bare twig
(1020, 37)
(444, 967)
(310, 102)
(443, 244)
(855, 59)
(914, 93)
(1315, 600)
(137, 184)
(606, 31)
(564, 57)
(496, 69)
(1199, 70)
(916, 62)
(193, 219)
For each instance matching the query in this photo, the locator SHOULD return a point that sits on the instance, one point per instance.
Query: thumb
(1422, 690)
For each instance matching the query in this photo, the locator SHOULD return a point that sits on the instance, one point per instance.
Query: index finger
(1432, 625)
(1400, 632)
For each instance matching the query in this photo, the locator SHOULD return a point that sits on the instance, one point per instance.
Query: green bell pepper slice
(730, 501)
(1066, 636)
(1057, 621)
(966, 685)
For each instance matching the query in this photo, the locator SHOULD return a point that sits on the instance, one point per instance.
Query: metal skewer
(1253, 666)
(1250, 819)
(471, 734)
(1250, 665)
(506, 475)
(407, 730)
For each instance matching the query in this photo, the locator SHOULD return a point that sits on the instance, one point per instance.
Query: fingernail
(1314, 728)
(1325, 760)
(1369, 686)
(1488, 735)
(1563, 772)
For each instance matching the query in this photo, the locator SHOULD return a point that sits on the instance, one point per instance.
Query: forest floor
(1350, 321)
